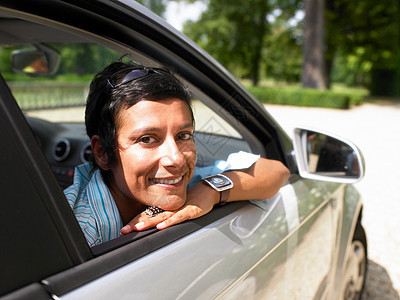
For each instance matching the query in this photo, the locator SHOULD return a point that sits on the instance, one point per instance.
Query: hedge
(307, 97)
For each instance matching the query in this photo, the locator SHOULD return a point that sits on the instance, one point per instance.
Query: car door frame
(35, 215)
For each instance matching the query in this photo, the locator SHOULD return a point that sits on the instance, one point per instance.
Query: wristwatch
(220, 183)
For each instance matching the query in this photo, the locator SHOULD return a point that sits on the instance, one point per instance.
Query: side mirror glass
(35, 62)
(325, 157)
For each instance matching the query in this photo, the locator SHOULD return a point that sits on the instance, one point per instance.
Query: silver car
(307, 242)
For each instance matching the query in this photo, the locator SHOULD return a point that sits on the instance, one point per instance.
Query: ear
(100, 156)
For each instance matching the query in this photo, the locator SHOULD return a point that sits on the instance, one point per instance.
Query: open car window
(54, 106)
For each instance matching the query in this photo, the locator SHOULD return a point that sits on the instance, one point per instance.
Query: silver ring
(153, 211)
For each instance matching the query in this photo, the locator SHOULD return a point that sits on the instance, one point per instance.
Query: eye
(147, 140)
(185, 136)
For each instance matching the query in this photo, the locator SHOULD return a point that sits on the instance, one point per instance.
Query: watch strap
(220, 183)
(224, 196)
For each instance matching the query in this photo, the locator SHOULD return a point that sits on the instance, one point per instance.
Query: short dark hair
(104, 102)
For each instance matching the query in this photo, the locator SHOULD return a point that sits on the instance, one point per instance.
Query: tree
(313, 71)
(234, 34)
(84, 58)
(363, 38)
(282, 53)
(356, 42)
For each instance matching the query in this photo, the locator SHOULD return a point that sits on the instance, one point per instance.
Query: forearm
(261, 181)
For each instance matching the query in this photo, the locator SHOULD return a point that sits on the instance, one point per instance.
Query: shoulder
(78, 189)
(80, 198)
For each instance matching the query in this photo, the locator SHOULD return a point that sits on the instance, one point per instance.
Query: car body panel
(272, 236)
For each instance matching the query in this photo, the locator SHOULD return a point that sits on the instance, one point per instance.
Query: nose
(171, 155)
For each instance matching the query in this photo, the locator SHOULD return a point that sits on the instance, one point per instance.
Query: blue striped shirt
(94, 206)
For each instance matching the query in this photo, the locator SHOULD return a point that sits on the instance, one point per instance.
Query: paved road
(375, 129)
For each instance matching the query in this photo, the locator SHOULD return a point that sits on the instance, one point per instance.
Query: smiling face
(156, 155)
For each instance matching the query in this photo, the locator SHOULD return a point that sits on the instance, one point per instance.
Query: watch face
(219, 182)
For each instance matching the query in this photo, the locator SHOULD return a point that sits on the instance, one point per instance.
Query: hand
(200, 200)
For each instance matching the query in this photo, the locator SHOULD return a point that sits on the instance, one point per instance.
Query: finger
(143, 222)
(128, 228)
(175, 219)
(186, 213)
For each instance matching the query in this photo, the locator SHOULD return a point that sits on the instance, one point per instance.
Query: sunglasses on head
(132, 74)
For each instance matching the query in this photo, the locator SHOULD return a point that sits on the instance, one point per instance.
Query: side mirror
(35, 62)
(321, 156)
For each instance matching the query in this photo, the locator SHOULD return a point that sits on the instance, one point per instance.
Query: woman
(141, 125)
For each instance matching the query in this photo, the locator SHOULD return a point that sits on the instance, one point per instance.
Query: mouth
(166, 181)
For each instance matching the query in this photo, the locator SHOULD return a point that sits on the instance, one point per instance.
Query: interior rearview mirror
(326, 157)
(35, 62)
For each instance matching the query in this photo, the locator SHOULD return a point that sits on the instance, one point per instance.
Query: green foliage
(252, 38)
(214, 35)
(256, 39)
(366, 29)
(282, 54)
(5, 54)
(307, 97)
(233, 38)
(82, 59)
(233, 32)
(363, 36)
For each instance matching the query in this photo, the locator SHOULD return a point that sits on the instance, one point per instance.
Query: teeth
(166, 181)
